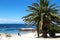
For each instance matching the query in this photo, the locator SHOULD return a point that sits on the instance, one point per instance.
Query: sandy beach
(28, 36)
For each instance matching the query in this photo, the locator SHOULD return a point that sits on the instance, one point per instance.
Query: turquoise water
(14, 28)
(15, 32)
(10, 31)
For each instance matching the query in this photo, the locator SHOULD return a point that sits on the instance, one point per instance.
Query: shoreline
(28, 36)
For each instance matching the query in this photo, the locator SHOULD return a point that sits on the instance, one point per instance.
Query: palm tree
(42, 15)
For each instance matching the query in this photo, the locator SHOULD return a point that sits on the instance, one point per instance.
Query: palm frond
(29, 15)
(49, 17)
(55, 15)
(46, 3)
(52, 5)
(57, 7)
(32, 8)
(35, 5)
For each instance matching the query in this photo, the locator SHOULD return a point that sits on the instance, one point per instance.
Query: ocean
(13, 28)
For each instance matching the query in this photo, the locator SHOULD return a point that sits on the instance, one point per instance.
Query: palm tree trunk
(46, 23)
(44, 29)
(38, 29)
(38, 32)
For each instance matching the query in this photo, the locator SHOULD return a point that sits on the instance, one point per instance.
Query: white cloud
(5, 20)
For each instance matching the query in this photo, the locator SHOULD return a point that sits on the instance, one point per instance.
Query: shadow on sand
(56, 36)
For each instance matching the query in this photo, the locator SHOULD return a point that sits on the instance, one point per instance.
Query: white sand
(29, 36)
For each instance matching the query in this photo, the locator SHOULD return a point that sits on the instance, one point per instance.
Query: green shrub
(54, 28)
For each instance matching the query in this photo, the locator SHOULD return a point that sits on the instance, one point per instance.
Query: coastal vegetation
(43, 15)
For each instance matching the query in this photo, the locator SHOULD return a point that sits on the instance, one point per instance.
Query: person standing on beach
(19, 34)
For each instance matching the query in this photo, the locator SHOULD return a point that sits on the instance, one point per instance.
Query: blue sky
(11, 11)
